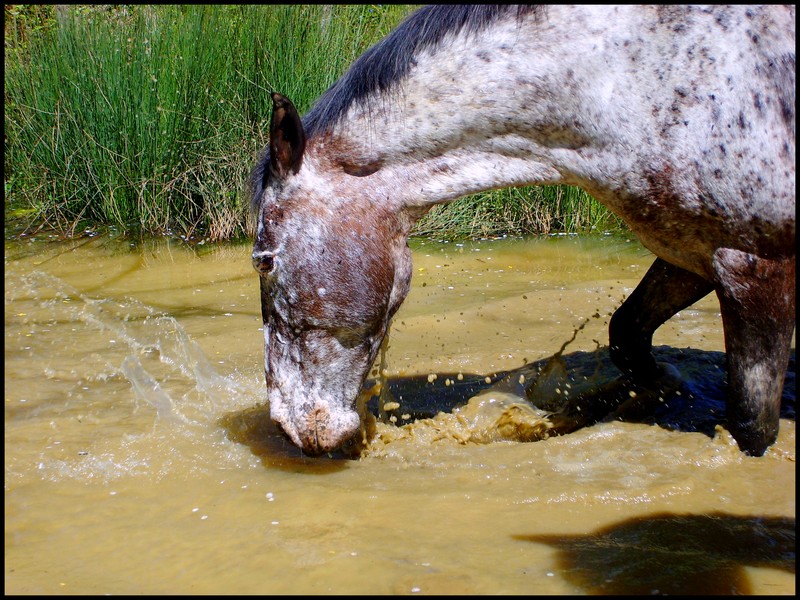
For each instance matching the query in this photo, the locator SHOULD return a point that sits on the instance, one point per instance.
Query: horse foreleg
(757, 301)
(664, 291)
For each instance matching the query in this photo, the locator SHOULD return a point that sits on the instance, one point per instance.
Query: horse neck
(456, 125)
(530, 102)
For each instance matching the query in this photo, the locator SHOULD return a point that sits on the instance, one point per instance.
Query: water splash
(122, 389)
(150, 391)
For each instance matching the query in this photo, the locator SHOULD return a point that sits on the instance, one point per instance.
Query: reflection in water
(669, 554)
(140, 458)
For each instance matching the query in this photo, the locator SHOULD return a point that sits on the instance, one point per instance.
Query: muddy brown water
(139, 457)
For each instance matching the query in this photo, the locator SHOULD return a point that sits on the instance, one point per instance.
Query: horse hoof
(753, 440)
(669, 379)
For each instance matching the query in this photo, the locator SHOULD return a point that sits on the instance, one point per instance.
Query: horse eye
(263, 262)
(349, 338)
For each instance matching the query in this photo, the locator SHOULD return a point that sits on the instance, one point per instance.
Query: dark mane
(388, 61)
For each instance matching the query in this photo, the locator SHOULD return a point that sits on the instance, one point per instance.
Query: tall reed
(150, 117)
(539, 210)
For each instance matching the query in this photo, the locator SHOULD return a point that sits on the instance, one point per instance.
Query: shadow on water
(254, 428)
(671, 554)
(583, 388)
(577, 390)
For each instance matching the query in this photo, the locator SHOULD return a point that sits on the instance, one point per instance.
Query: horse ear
(287, 140)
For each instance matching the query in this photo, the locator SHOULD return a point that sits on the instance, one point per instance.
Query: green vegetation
(149, 118)
(519, 211)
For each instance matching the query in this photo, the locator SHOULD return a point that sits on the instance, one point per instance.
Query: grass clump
(539, 210)
(149, 118)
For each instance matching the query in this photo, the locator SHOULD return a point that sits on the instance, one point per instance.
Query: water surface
(139, 457)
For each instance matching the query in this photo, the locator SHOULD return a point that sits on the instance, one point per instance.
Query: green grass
(537, 210)
(149, 118)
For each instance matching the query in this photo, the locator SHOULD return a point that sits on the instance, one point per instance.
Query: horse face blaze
(326, 303)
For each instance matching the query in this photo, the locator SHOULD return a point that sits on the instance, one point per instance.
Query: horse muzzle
(317, 427)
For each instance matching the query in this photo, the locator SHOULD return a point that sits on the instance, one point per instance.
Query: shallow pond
(139, 457)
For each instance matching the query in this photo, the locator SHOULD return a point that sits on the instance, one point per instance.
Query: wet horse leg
(664, 290)
(757, 301)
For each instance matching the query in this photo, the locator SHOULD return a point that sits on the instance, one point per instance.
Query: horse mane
(388, 61)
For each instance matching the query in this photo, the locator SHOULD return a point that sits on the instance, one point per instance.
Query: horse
(679, 119)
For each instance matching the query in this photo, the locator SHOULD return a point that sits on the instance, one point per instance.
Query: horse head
(331, 275)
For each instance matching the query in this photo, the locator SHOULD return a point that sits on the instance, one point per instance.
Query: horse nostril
(263, 263)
